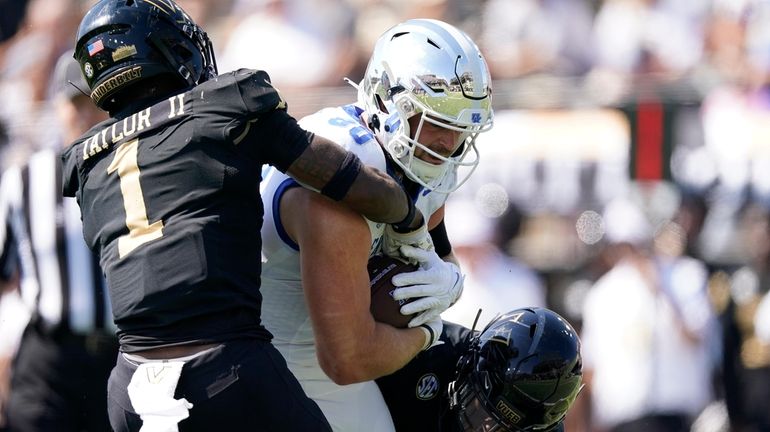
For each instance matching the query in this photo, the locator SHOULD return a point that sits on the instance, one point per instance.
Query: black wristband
(343, 179)
(433, 336)
(440, 240)
(404, 225)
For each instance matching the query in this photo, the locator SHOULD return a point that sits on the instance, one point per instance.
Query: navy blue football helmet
(521, 373)
(121, 44)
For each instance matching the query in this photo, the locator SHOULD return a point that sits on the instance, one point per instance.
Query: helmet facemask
(472, 410)
(482, 399)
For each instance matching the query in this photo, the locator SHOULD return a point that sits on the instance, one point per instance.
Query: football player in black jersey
(169, 193)
(521, 373)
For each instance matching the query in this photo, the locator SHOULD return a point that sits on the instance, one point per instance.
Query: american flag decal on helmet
(95, 47)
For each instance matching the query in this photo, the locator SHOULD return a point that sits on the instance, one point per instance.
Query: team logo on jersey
(427, 387)
(89, 70)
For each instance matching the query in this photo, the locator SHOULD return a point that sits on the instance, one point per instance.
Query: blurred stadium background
(663, 105)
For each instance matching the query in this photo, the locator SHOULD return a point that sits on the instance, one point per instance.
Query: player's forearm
(377, 196)
(385, 351)
(326, 167)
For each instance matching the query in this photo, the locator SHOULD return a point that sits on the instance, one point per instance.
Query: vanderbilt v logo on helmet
(125, 45)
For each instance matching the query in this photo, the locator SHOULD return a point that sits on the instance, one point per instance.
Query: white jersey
(284, 312)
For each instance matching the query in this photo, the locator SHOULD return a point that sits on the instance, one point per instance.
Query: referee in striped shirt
(59, 375)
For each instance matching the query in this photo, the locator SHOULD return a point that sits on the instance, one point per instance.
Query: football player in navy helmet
(168, 189)
(521, 373)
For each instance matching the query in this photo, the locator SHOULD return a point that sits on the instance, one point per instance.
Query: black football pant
(59, 382)
(237, 386)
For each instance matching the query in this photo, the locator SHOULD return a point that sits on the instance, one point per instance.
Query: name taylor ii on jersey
(129, 126)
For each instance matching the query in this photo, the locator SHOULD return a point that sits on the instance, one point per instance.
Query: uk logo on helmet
(427, 387)
(476, 117)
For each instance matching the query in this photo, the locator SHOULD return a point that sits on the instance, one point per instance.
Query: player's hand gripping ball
(384, 309)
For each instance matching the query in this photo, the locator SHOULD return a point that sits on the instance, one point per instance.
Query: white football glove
(432, 331)
(392, 242)
(439, 284)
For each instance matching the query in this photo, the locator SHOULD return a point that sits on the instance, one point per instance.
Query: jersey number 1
(140, 230)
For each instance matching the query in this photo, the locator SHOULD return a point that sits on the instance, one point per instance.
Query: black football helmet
(121, 44)
(522, 373)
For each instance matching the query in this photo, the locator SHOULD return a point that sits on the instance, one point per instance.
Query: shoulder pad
(257, 92)
(244, 91)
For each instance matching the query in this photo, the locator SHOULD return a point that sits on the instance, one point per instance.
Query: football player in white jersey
(424, 99)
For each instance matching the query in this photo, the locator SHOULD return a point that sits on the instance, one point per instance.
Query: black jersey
(169, 196)
(417, 395)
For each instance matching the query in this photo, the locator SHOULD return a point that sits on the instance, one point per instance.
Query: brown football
(384, 309)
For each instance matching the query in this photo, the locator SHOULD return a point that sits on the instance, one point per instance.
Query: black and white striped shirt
(61, 280)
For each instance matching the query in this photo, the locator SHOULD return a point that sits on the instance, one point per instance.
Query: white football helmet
(429, 68)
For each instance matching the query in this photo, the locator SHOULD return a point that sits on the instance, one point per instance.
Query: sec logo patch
(427, 387)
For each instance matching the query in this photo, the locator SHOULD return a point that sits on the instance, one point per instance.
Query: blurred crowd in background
(626, 183)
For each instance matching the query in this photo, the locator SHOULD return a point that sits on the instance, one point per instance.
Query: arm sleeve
(343, 179)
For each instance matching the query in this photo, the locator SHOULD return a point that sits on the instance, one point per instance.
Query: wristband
(440, 240)
(404, 226)
(429, 334)
(343, 179)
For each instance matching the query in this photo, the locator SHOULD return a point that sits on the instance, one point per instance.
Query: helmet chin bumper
(428, 172)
